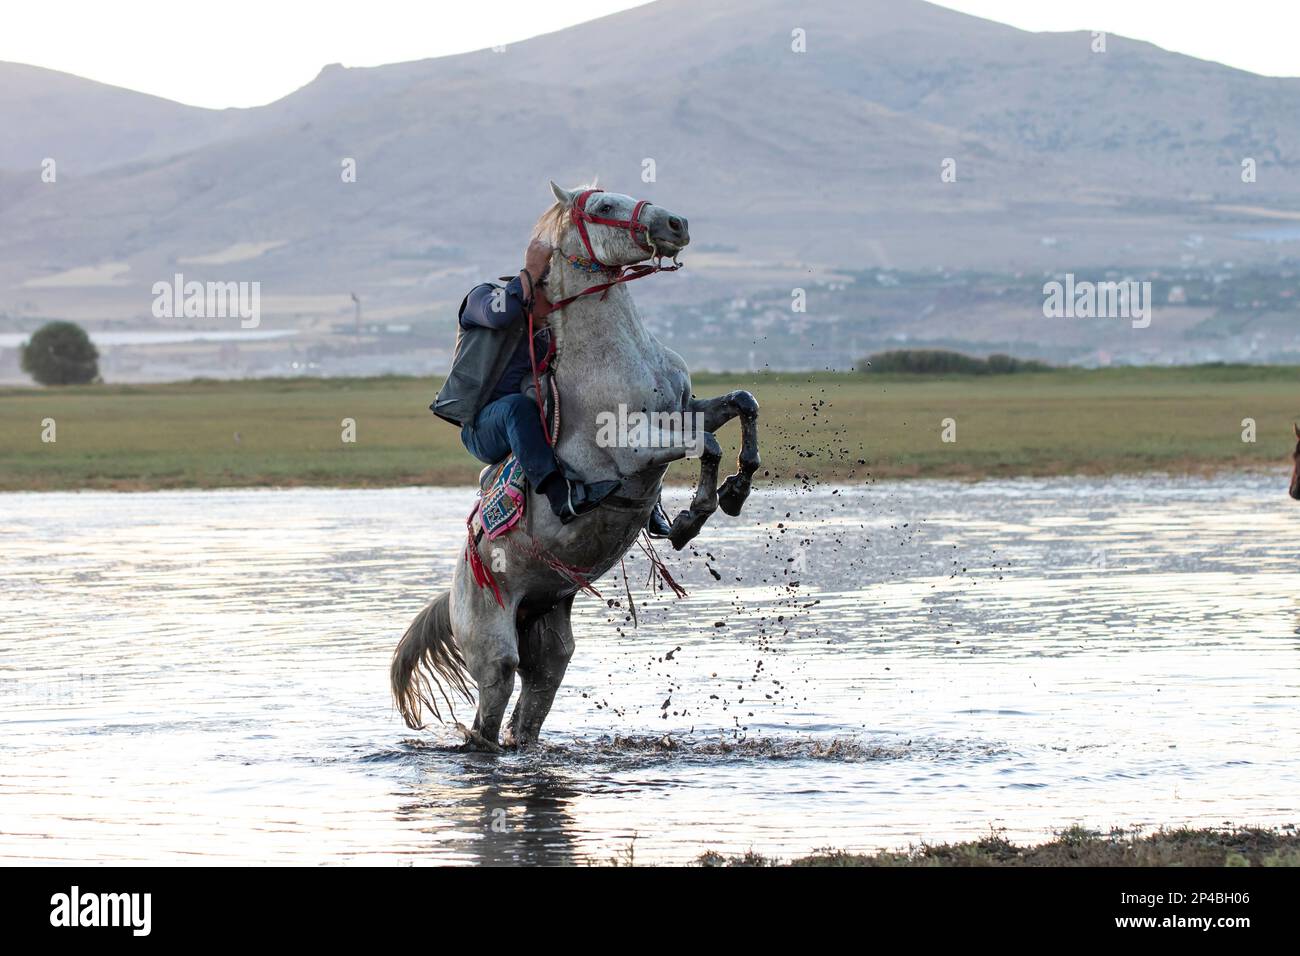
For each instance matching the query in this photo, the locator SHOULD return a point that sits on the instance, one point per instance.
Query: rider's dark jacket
(491, 358)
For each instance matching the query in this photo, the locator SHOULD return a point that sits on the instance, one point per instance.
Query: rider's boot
(658, 525)
(571, 497)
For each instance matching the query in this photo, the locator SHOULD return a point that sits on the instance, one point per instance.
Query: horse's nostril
(675, 224)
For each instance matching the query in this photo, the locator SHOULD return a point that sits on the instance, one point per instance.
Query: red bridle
(580, 218)
(634, 225)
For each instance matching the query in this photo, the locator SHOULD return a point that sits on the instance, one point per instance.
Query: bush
(999, 364)
(944, 362)
(61, 353)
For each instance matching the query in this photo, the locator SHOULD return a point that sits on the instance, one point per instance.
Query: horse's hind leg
(544, 651)
(494, 672)
(717, 412)
(490, 648)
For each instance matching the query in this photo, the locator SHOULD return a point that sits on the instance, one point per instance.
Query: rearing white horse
(607, 364)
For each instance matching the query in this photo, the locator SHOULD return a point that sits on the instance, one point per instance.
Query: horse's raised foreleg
(544, 651)
(688, 523)
(717, 412)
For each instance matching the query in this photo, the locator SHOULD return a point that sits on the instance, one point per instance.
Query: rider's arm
(488, 307)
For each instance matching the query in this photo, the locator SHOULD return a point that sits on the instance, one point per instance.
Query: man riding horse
(491, 394)
(510, 617)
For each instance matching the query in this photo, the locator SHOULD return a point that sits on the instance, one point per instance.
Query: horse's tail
(427, 658)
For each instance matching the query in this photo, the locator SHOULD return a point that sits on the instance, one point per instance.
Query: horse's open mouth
(669, 250)
(668, 241)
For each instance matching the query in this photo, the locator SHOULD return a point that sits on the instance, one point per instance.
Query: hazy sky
(247, 52)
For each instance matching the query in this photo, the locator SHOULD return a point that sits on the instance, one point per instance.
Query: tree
(61, 353)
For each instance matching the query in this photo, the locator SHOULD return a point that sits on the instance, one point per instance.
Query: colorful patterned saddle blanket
(503, 493)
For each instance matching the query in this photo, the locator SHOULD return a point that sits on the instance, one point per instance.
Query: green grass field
(205, 434)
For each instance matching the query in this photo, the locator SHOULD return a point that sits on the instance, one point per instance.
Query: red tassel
(657, 565)
(482, 573)
(575, 575)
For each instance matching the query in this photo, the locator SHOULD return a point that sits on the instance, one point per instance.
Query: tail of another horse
(426, 663)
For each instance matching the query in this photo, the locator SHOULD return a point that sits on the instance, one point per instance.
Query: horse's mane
(550, 227)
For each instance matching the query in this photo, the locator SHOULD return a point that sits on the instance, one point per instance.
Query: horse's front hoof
(685, 527)
(733, 494)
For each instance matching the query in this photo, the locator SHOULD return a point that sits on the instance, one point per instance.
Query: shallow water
(202, 677)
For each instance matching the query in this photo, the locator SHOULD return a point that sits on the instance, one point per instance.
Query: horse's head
(613, 229)
(1295, 466)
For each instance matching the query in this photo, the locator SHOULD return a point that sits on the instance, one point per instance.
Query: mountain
(795, 168)
(88, 126)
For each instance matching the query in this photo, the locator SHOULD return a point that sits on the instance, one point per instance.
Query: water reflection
(478, 809)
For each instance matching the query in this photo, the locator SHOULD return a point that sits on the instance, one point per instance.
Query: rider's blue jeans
(511, 423)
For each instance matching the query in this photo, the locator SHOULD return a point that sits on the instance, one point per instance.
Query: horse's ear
(1297, 430)
(563, 196)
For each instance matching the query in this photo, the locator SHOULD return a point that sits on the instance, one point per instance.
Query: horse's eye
(605, 207)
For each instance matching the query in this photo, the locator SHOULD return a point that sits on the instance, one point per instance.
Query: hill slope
(789, 165)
